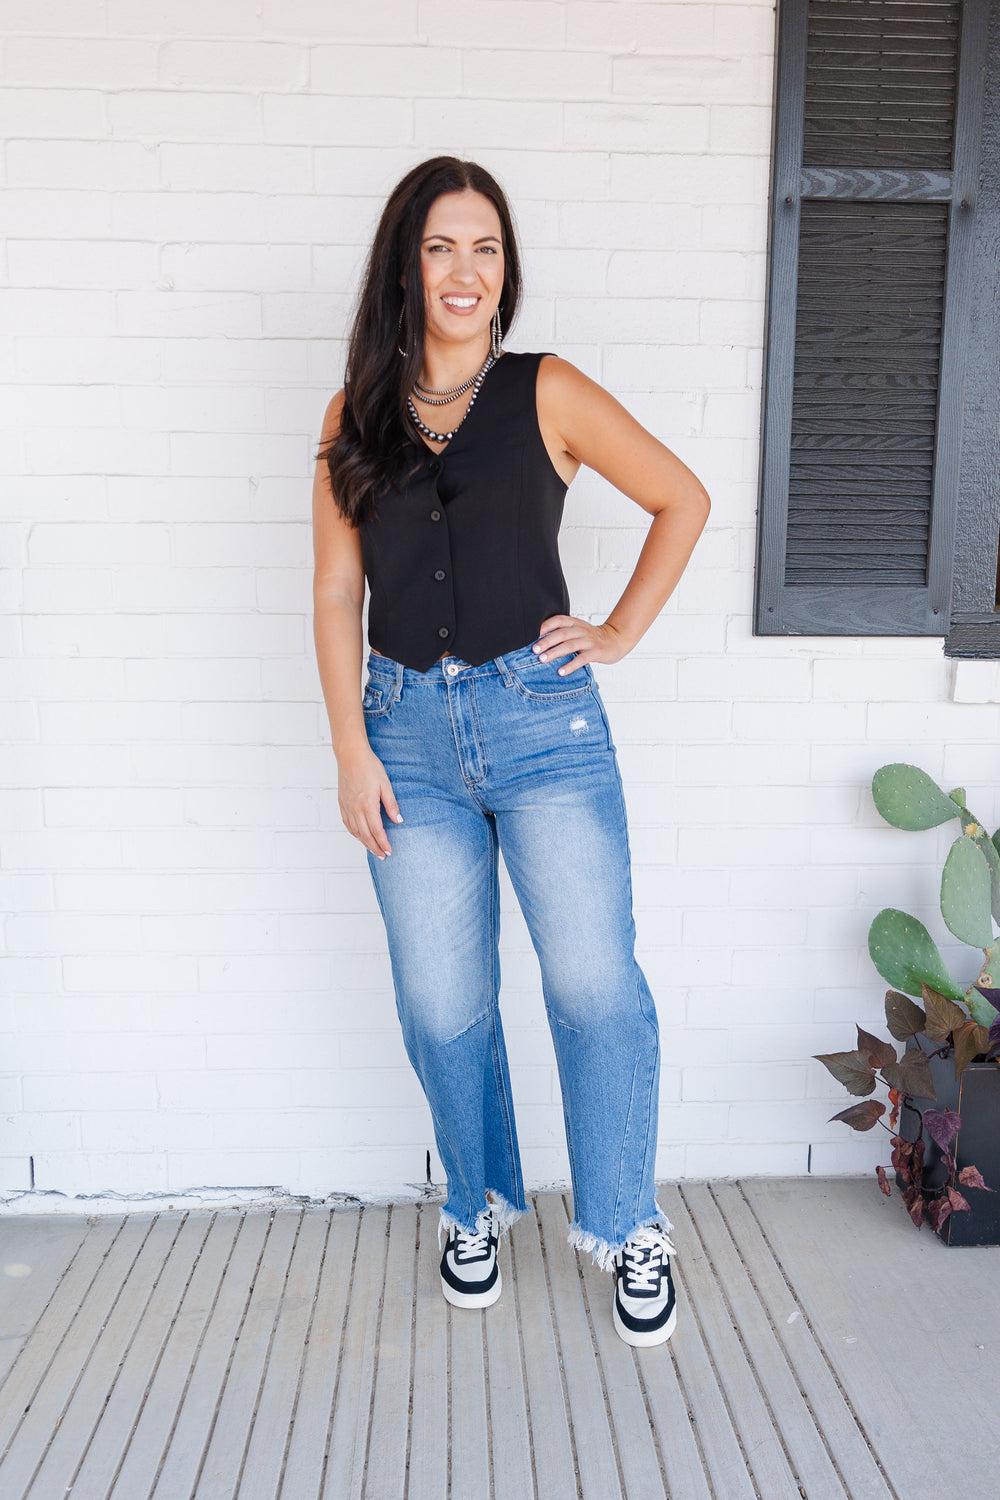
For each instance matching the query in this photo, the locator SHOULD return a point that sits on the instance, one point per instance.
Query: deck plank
(385, 1471)
(812, 1468)
(767, 1459)
(862, 1477)
(44, 1407)
(35, 1254)
(268, 1440)
(317, 1395)
(207, 1376)
(60, 1312)
(99, 1374)
(120, 1416)
(510, 1441)
(551, 1429)
(672, 1421)
(349, 1429)
(145, 1443)
(222, 1464)
(595, 1448)
(428, 1472)
(710, 1419)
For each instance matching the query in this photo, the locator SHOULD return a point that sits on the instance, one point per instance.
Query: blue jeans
(509, 756)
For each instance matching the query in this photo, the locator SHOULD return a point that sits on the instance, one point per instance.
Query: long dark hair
(369, 454)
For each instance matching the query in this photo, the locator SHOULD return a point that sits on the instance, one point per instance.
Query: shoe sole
(472, 1299)
(644, 1340)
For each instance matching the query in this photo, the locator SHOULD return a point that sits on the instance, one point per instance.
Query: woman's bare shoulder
(557, 375)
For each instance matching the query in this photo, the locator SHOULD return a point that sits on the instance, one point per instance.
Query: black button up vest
(465, 557)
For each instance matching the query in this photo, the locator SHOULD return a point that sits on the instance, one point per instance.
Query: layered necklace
(442, 398)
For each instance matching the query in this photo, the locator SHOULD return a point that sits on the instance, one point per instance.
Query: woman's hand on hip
(563, 633)
(363, 787)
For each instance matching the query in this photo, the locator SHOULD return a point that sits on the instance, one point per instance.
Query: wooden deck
(823, 1349)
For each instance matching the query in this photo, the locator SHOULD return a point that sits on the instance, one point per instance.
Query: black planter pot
(976, 1097)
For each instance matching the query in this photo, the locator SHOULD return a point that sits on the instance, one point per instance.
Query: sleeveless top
(464, 557)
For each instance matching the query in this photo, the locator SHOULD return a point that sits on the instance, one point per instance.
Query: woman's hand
(363, 787)
(563, 633)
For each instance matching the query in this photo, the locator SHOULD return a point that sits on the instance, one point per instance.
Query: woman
(443, 467)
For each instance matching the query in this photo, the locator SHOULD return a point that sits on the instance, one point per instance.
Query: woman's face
(461, 259)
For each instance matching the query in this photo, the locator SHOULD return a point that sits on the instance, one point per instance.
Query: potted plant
(944, 1090)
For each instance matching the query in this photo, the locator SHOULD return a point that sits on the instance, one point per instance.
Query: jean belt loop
(504, 670)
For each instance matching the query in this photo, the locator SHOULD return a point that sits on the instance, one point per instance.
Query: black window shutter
(875, 159)
(975, 599)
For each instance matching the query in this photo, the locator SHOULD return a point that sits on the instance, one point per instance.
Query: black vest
(465, 558)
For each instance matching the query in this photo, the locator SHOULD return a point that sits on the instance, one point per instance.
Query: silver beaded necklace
(442, 398)
(446, 437)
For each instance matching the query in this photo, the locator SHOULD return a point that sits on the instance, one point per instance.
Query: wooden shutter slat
(880, 84)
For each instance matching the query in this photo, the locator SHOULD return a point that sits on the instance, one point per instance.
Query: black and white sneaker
(470, 1275)
(645, 1310)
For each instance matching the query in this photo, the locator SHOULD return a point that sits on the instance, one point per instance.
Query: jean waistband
(451, 667)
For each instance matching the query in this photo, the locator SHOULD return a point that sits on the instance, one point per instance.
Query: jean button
(451, 669)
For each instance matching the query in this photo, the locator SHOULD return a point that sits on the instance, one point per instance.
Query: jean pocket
(379, 696)
(540, 680)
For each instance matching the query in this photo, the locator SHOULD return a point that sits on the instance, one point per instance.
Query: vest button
(439, 574)
(434, 466)
(444, 631)
(435, 515)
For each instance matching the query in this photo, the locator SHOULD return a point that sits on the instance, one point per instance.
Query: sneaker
(645, 1311)
(470, 1275)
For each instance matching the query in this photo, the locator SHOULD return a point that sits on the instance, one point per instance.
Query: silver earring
(399, 330)
(496, 334)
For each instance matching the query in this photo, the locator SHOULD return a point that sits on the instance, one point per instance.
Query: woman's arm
(338, 600)
(581, 422)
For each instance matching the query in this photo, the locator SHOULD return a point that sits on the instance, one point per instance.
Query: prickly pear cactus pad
(905, 954)
(908, 798)
(965, 893)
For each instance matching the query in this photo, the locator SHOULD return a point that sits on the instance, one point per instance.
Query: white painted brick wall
(194, 988)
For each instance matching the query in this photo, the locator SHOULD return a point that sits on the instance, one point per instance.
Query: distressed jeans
(508, 757)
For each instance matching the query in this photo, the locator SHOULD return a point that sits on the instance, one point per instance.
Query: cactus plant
(901, 948)
(955, 1019)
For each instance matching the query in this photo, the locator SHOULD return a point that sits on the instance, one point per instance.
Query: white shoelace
(470, 1246)
(643, 1254)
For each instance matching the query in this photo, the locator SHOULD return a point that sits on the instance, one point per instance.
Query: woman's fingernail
(541, 656)
(399, 817)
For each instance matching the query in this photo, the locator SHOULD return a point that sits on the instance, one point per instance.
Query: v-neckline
(440, 452)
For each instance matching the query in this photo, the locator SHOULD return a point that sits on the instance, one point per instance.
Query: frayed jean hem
(603, 1252)
(504, 1215)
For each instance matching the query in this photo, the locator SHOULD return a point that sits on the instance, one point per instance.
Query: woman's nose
(464, 268)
